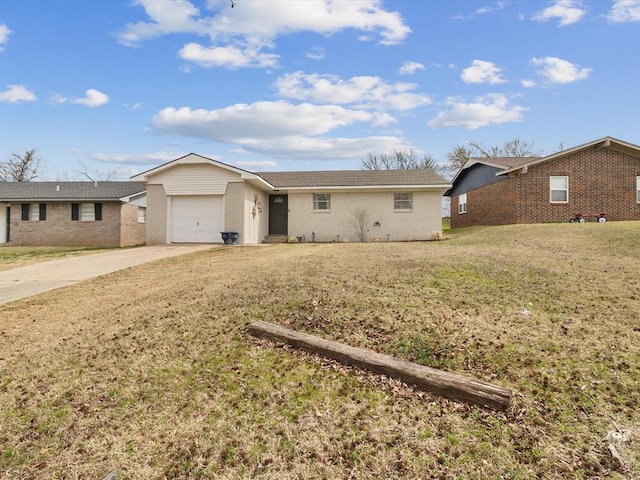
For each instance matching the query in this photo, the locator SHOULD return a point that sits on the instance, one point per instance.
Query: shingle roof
(67, 191)
(606, 142)
(505, 162)
(354, 178)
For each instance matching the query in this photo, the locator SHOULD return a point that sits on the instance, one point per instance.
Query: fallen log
(450, 385)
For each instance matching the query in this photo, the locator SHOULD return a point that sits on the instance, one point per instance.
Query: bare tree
(95, 175)
(512, 148)
(360, 220)
(21, 168)
(399, 160)
(459, 156)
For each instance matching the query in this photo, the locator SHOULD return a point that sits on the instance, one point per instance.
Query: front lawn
(150, 371)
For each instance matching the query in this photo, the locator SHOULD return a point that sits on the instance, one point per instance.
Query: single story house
(599, 180)
(93, 214)
(193, 199)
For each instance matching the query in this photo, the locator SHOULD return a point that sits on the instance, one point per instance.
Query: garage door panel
(196, 218)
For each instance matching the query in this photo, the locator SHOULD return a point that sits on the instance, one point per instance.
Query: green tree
(21, 168)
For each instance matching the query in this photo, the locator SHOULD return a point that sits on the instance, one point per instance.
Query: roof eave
(365, 187)
(606, 142)
(61, 200)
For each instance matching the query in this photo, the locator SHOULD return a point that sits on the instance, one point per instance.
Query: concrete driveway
(26, 281)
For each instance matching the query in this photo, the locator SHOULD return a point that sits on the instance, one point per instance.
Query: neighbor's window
(322, 201)
(142, 214)
(403, 201)
(86, 212)
(34, 211)
(559, 189)
(462, 203)
(638, 189)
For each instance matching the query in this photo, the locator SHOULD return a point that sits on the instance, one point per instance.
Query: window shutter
(43, 211)
(75, 211)
(98, 211)
(25, 211)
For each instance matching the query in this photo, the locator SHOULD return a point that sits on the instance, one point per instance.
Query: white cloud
(242, 123)
(625, 11)
(278, 129)
(490, 110)
(499, 6)
(155, 158)
(17, 93)
(567, 11)
(177, 16)
(482, 72)
(238, 36)
(409, 68)
(4, 35)
(92, 98)
(557, 70)
(528, 83)
(366, 92)
(317, 53)
(326, 148)
(230, 56)
(257, 165)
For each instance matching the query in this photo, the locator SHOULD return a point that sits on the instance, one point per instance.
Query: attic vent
(95, 183)
(57, 188)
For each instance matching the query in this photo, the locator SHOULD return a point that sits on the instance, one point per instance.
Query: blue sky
(115, 88)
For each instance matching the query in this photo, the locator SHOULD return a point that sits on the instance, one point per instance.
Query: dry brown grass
(150, 370)
(15, 256)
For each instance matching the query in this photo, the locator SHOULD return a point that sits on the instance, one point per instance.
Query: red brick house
(600, 177)
(87, 214)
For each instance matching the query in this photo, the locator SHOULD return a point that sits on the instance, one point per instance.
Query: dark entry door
(278, 214)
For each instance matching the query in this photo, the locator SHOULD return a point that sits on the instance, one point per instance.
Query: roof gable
(606, 142)
(499, 163)
(191, 158)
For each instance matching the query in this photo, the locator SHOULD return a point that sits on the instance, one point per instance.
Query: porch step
(273, 239)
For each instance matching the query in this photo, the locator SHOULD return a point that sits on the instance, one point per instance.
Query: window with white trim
(86, 212)
(322, 202)
(638, 188)
(34, 212)
(403, 201)
(462, 203)
(559, 189)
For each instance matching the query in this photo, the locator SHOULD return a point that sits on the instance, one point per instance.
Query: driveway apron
(41, 277)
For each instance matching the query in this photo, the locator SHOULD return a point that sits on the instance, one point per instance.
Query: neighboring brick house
(600, 177)
(90, 214)
(194, 199)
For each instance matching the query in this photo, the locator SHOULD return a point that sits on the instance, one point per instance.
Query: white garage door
(196, 218)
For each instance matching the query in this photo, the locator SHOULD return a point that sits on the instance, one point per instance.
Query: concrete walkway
(41, 277)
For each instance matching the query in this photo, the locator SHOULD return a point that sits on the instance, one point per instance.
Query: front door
(278, 214)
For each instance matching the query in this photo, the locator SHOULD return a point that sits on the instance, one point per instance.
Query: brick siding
(600, 180)
(132, 232)
(381, 219)
(156, 215)
(58, 229)
(234, 209)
